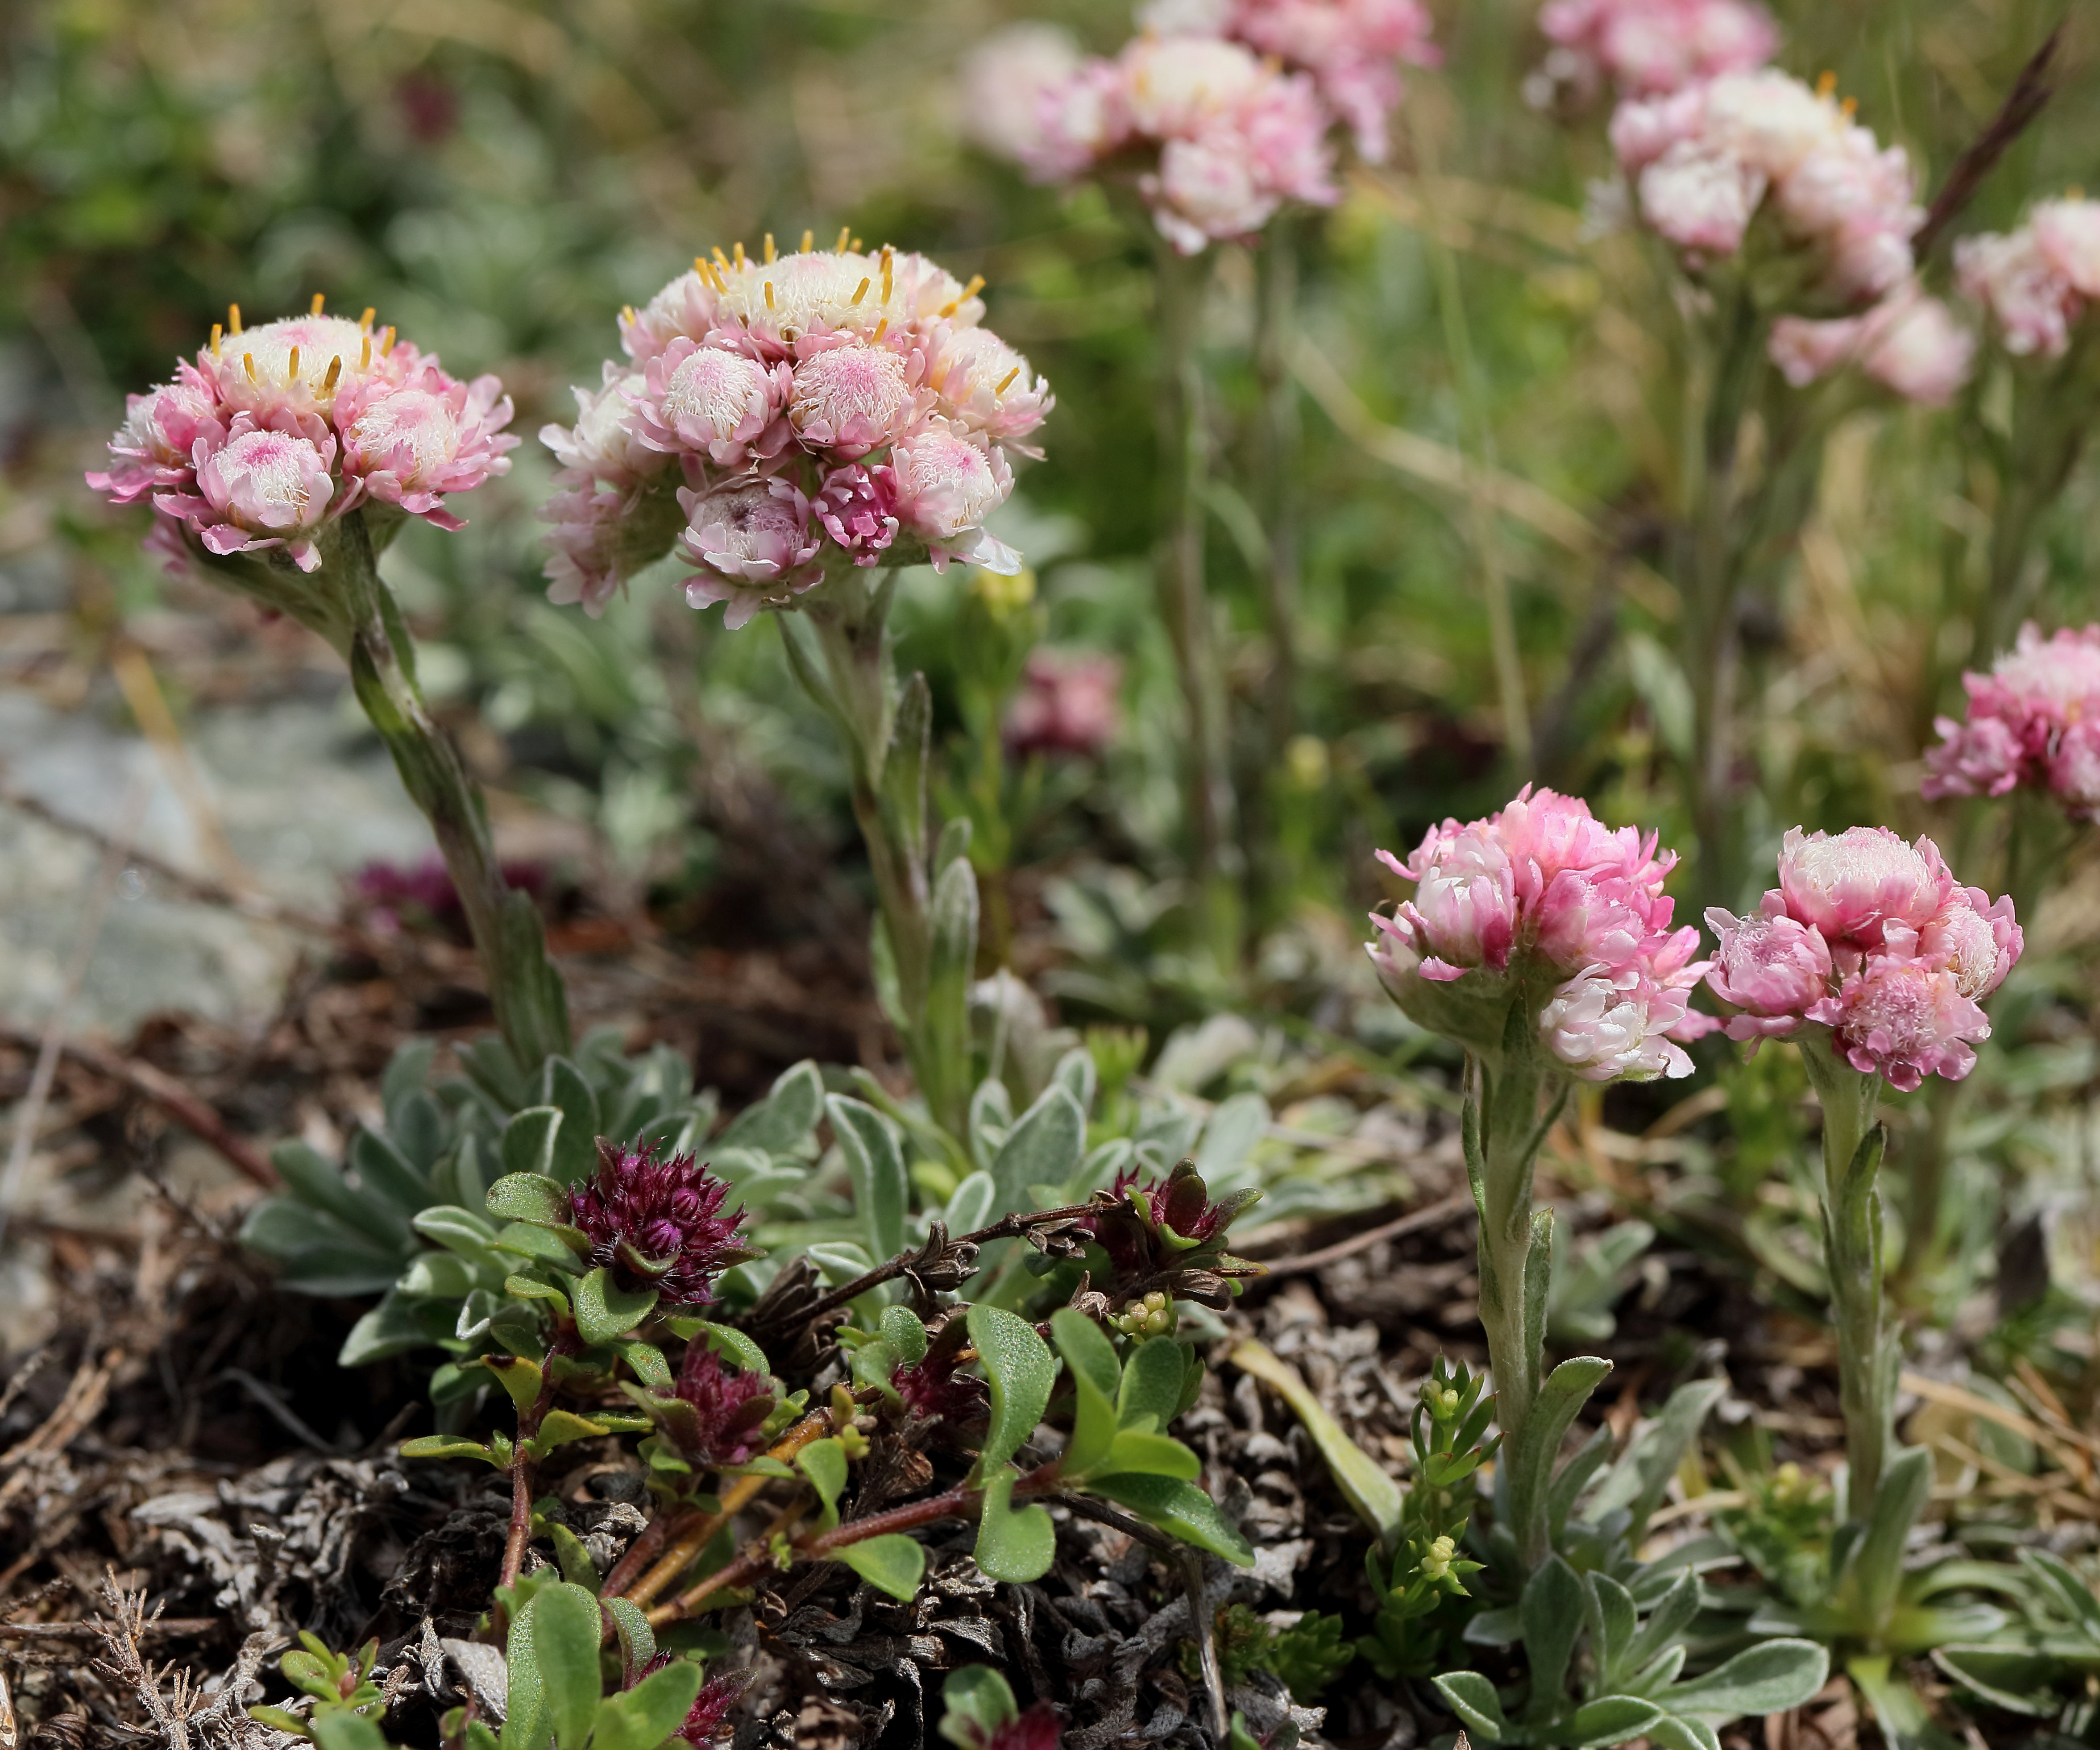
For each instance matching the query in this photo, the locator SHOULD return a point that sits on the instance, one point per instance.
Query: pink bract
(152, 448)
(1770, 966)
(858, 507)
(752, 543)
(1852, 885)
(711, 403)
(407, 446)
(263, 487)
(1607, 1026)
(606, 442)
(1902, 1017)
(946, 486)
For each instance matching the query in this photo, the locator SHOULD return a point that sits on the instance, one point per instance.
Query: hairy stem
(523, 987)
(848, 667)
(1504, 1133)
(693, 1531)
(1006, 1227)
(1867, 1352)
(757, 1555)
(1185, 605)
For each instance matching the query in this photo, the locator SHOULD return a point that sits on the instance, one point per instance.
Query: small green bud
(1437, 1562)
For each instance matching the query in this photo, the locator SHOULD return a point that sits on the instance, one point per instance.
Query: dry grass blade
(2030, 93)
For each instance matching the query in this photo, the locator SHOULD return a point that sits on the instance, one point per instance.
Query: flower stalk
(524, 989)
(925, 890)
(1868, 1356)
(1180, 282)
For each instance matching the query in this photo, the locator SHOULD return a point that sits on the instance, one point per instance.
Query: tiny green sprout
(338, 1682)
(1441, 1401)
(1152, 1316)
(844, 1413)
(780, 1552)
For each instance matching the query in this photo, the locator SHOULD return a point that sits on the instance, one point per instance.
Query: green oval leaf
(1021, 1370)
(1015, 1547)
(565, 1625)
(606, 1312)
(528, 1197)
(892, 1563)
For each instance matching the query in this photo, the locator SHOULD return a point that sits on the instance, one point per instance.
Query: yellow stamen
(627, 315)
(809, 241)
(882, 328)
(1850, 107)
(364, 321)
(700, 266)
(1007, 379)
(860, 294)
(844, 232)
(319, 300)
(233, 319)
(364, 362)
(971, 290)
(739, 248)
(248, 365)
(769, 251)
(769, 295)
(1826, 84)
(291, 369)
(335, 370)
(857, 245)
(721, 261)
(386, 344)
(216, 331)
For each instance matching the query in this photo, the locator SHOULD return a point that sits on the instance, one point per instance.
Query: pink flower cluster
(1909, 343)
(1352, 49)
(1873, 938)
(2036, 281)
(1544, 894)
(1066, 704)
(1217, 137)
(275, 432)
(1647, 48)
(820, 405)
(1707, 160)
(2033, 720)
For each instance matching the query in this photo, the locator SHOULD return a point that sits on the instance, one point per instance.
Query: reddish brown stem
(757, 1556)
(1006, 1227)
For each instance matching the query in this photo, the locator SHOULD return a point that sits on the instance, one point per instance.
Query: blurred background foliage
(498, 177)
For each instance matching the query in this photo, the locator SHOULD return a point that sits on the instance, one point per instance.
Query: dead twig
(2030, 94)
(62, 1631)
(1459, 1203)
(157, 1086)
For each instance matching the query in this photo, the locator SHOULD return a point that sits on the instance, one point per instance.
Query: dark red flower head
(934, 1389)
(729, 1409)
(709, 1720)
(1145, 1228)
(1037, 1728)
(653, 1224)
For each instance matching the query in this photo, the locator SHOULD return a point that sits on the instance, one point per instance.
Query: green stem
(929, 913)
(523, 986)
(1276, 461)
(1709, 575)
(1184, 462)
(1867, 1350)
(1504, 1132)
(2049, 420)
